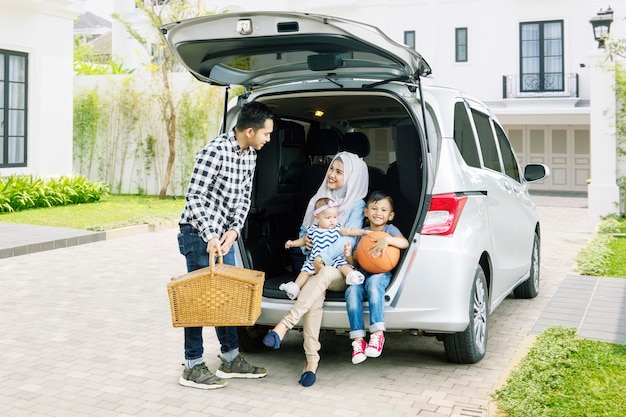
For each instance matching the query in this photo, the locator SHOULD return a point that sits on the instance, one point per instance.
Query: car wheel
(251, 337)
(530, 287)
(470, 345)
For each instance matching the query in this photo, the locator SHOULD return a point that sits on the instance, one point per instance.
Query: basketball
(382, 263)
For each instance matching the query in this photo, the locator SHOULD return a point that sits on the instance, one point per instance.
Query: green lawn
(566, 376)
(110, 213)
(617, 265)
(604, 255)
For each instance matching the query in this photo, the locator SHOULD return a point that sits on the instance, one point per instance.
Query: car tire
(251, 337)
(470, 345)
(530, 287)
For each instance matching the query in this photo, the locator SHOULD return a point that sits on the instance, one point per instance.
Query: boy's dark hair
(379, 195)
(254, 115)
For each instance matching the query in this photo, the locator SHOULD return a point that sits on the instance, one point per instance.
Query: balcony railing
(532, 86)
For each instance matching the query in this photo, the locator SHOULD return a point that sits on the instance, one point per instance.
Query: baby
(324, 231)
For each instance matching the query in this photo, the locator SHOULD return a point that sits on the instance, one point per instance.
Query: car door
(510, 220)
(260, 49)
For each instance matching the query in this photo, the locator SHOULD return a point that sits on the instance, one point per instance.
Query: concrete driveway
(86, 331)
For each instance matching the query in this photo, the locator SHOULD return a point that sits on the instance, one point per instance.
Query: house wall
(44, 30)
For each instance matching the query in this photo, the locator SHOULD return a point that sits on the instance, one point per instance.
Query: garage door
(565, 149)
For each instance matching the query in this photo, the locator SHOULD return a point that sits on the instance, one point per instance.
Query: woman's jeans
(374, 286)
(194, 248)
(309, 308)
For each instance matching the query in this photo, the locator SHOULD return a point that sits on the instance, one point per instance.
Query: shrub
(24, 192)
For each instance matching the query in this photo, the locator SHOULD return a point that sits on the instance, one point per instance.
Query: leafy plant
(593, 259)
(602, 255)
(88, 121)
(566, 376)
(158, 15)
(25, 192)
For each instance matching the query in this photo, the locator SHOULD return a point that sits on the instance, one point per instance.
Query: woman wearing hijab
(346, 181)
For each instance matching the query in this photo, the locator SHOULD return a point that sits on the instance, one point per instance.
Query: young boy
(379, 211)
(324, 231)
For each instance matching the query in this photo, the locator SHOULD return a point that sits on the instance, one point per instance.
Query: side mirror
(536, 172)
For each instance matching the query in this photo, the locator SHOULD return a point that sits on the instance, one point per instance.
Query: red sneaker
(358, 354)
(375, 346)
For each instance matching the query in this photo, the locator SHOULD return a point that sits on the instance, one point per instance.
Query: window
(409, 38)
(488, 146)
(541, 60)
(13, 94)
(460, 39)
(158, 53)
(464, 136)
(508, 157)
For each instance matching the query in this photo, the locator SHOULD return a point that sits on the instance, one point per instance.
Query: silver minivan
(460, 196)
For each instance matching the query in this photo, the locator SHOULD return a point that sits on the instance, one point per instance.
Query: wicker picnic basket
(218, 295)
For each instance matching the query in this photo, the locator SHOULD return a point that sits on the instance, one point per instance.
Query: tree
(158, 14)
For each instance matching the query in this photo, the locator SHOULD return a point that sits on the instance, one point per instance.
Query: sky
(103, 8)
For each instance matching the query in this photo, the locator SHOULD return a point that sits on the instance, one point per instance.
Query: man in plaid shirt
(216, 206)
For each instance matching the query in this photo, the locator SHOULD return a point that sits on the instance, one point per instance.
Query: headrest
(357, 143)
(291, 133)
(322, 142)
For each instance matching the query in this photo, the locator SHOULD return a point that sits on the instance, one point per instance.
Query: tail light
(443, 214)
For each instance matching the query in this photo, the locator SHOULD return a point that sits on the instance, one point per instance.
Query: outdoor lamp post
(601, 24)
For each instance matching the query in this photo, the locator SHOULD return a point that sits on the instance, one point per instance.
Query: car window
(464, 136)
(508, 157)
(488, 146)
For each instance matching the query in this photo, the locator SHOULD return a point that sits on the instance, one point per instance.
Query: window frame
(488, 143)
(511, 167)
(465, 136)
(461, 49)
(538, 81)
(407, 41)
(5, 109)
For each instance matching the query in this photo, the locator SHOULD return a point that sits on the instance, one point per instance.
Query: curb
(79, 237)
(492, 407)
(139, 229)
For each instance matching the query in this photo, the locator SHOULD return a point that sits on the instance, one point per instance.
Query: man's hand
(227, 240)
(214, 243)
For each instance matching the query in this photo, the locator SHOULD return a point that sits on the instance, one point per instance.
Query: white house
(535, 62)
(36, 79)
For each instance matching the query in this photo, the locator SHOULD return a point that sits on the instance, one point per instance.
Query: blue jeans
(191, 245)
(374, 286)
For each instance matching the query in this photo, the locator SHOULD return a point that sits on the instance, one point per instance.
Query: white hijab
(354, 188)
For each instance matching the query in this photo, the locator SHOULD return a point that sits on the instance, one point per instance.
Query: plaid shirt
(218, 197)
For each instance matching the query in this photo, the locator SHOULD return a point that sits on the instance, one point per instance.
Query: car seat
(359, 144)
(321, 146)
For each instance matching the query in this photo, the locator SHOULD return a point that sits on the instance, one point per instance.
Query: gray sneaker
(200, 377)
(239, 368)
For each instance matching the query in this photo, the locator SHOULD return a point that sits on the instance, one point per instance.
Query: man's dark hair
(379, 195)
(254, 115)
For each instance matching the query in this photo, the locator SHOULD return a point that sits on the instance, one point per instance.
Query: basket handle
(212, 256)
